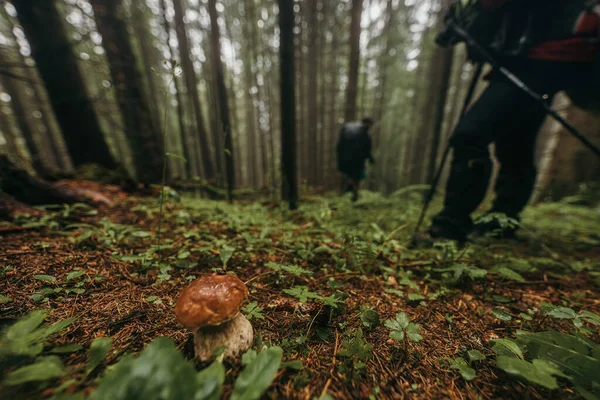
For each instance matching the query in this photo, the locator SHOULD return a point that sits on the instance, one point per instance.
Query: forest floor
(323, 280)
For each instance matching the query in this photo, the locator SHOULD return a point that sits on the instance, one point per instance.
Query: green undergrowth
(310, 258)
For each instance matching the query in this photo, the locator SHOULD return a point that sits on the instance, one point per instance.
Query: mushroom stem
(236, 334)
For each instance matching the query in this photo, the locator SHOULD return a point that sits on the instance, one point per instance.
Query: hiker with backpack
(550, 45)
(353, 149)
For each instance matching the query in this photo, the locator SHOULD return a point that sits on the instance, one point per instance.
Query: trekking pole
(440, 168)
(521, 85)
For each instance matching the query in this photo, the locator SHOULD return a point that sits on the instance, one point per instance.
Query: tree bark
(51, 50)
(219, 76)
(354, 61)
(289, 177)
(192, 89)
(140, 131)
(183, 136)
(312, 104)
(20, 115)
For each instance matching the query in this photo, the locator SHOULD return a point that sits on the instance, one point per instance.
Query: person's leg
(471, 165)
(355, 187)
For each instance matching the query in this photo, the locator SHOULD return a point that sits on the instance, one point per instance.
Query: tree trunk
(142, 135)
(223, 104)
(354, 61)
(183, 137)
(289, 179)
(312, 104)
(20, 114)
(192, 89)
(51, 50)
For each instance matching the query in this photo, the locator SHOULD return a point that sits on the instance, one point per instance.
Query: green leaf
(249, 356)
(67, 348)
(45, 278)
(258, 375)
(38, 298)
(501, 315)
(210, 382)
(590, 317)
(225, 254)
(510, 274)
(415, 297)
(558, 312)
(400, 322)
(177, 156)
(461, 365)
(296, 365)
(506, 347)
(369, 318)
(4, 299)
(140, 234)
(159, 372)
(302, 293)
(183, 255)
(74, 275)
(412, 331)
(475, 355)
(397, 335)
(98, 351)
(58, 326)
(252, 310)
(535, 373)
(44, 369)
(150, 299)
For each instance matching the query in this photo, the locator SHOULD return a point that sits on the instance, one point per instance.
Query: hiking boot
(496, 226)
(436, 234)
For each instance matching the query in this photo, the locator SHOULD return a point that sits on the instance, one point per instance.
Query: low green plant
(552, 355)
(400, 328)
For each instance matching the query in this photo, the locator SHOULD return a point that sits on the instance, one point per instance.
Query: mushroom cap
(210, 300)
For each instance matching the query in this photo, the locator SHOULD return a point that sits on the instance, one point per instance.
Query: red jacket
(582, 46)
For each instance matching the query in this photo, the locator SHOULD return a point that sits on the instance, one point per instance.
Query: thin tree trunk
(192, 89)
(354, 61)
(312, 104)
(222, 97)
(289, 178)
(51, 50)
(183, 136)
(147, 150)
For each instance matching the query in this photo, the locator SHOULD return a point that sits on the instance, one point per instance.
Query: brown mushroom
(210, 307)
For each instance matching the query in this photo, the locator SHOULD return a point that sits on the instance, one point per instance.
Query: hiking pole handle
(521, 85)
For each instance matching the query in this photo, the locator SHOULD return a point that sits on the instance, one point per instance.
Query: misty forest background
(139, 83)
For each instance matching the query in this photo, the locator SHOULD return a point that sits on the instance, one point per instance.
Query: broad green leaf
(510, 274)
(560, 312)
(160, 372)
(369, 318)
(183, 255)
(67, 348)
(258, 375)
(475, 355)
(412, 331)
(501, 315)
(533, 373)
(74, 275)
(225, 254)
(58, 326)
(151, 298)
(98, 351)
(45, 278)
(249, 356)
(210, 382)
(590, 317)
(415, 297)
(21, 337)
(461, 365)
(506, 347)
(400, 322)
(44, 369)
(397, 335)
(302, 293)
(5, 299)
